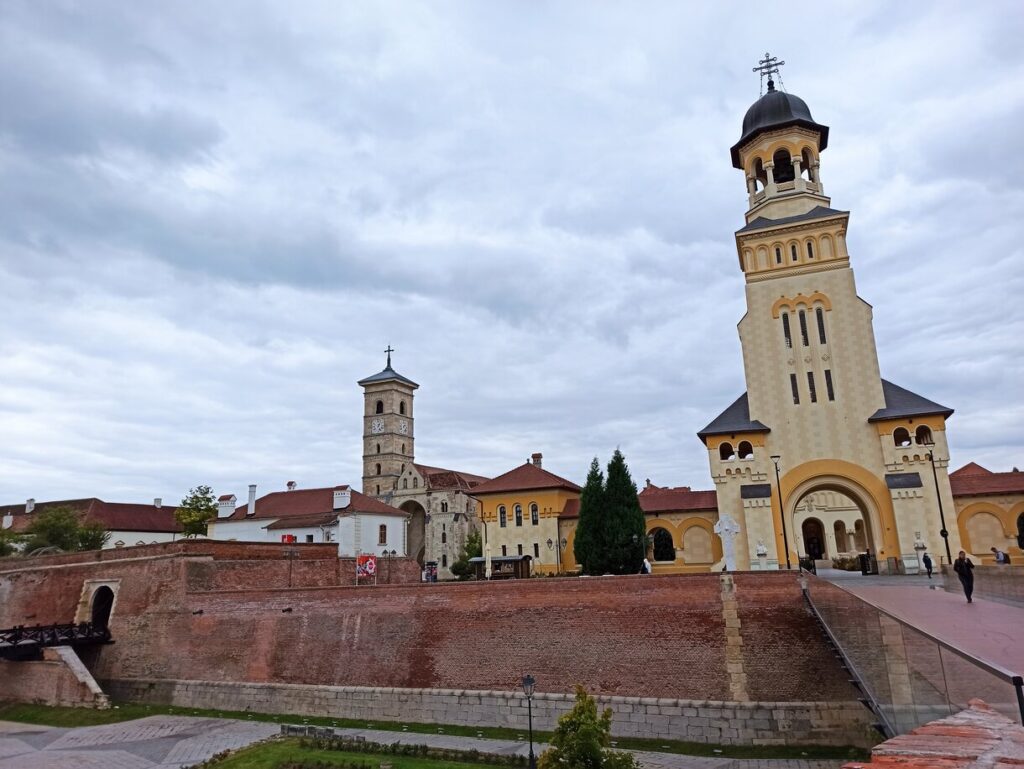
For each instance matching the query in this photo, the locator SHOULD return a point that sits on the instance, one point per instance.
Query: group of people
(964, 568)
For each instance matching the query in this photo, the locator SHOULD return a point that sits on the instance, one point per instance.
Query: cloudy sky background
(215, 216)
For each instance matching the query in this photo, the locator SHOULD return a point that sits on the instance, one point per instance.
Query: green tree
(581, 740)
(625, 531)
(196, 510)
(63, 528)
(8, 542)
(588, 545)
(473, 548)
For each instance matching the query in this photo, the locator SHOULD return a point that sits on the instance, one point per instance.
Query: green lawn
(270, 755)
(125, 711)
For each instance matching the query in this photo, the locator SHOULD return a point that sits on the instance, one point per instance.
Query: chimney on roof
(342, 497)
(251, 509)
(30, 505)
(157, 501)
(226, 505)
(291, 485)
(7, 521)
(536, 458)
(647, 483)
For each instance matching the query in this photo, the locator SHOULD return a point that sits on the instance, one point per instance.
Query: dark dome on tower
(776, 109)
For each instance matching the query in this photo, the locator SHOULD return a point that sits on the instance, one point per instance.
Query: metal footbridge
(27, 643)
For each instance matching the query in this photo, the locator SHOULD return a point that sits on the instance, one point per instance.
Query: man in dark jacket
(927, 561)
(965, 571)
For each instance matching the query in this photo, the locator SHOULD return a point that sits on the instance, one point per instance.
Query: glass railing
(909, 676)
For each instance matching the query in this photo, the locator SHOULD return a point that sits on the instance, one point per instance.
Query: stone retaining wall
(727, 723)
(59, 678)
(999, 583)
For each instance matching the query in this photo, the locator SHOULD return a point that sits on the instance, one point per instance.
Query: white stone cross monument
(727, 529)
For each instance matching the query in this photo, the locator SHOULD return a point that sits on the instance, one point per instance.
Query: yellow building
(519, 511)
(990, 511)
(816, 416)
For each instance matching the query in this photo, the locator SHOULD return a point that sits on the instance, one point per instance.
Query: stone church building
(819, 441)
(438, 501)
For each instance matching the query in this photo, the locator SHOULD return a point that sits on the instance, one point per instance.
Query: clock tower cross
(387, 429)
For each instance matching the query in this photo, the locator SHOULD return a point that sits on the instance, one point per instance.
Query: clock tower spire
(388, 446)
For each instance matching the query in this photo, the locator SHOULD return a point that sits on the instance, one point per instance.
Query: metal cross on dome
(389, 351)
(769, 66)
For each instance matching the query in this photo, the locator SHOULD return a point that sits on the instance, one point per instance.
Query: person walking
(1002, 559)
(965, 571)
(927, 561)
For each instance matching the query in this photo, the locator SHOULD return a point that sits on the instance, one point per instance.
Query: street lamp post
(528, 683)
(942, 516)
(782, 510)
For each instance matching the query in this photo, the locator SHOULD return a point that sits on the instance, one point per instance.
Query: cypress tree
(588, 545)
(625, 534)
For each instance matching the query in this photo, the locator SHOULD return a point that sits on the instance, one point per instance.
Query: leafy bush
(846, 563)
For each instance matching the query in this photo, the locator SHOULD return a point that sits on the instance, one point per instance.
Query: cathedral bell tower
(817, 421)
(387, 429)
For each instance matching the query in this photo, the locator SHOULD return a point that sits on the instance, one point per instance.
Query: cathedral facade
(817, 421)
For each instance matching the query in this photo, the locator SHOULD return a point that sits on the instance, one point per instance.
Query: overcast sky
(214, 217)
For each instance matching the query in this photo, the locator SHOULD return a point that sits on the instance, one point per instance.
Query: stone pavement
(179, 741)
(989, 630)
(168, 742)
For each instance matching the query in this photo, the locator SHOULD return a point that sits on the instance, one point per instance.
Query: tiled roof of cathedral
(655, 499)
(307, 503)
(115, 516)
(818, 212)
(973, 480)
(524, 478)
(900, 402)
(440, 478)
(735, 419)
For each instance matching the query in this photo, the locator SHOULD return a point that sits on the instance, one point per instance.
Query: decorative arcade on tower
(819, 449)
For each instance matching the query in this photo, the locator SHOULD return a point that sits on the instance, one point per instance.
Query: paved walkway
(179, 741)
(989, 630)
(168, 742)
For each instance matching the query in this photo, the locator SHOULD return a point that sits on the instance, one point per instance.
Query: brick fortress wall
(193, 612)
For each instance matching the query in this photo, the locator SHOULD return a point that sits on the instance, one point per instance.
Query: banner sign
(366, 566)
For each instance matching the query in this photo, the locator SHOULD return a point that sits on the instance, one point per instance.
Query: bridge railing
(20, 640)
(909, 676)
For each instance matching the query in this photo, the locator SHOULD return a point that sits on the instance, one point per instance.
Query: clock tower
(388, 448)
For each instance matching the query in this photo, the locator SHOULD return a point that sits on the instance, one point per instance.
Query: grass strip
(126, 711)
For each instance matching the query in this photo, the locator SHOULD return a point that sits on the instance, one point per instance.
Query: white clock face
(377, 426)
(403, 427)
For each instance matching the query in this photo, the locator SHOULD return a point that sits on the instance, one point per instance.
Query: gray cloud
(216, 216)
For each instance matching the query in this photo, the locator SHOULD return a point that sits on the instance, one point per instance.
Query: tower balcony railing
(908, 676)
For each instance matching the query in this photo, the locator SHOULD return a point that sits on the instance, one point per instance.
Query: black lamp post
(782, 509)
(942, 516)
(528, 683)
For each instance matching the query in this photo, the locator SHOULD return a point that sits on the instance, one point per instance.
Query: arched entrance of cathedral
(416, 533)
(813, 535)
(830, 523)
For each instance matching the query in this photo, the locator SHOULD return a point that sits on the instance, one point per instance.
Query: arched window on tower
(810, 250)
(820, 315)
(806, 170)
(783, 167)
(380, 407)
(444, 507)
(778, 255)
(760, 176)
(745, 450)
(378, 468)
(803, 328)
(901, 437)
(725, 451)
(794, 254)
(502, 516)
(785, 330)
(923, 436)
(401, 407)
(378, 448)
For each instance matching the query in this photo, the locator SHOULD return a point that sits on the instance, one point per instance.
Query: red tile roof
(303, 521)
(308, 502)
(973, 480)
(115, 516)
(440, 478)
(524, 478)
(657, 500)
